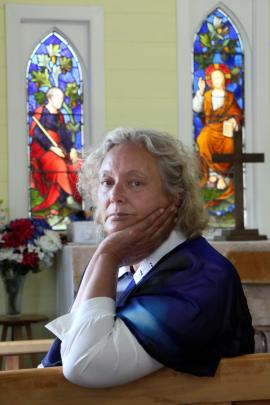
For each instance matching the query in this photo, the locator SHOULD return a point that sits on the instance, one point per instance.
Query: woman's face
(130, 187)
(218, 79)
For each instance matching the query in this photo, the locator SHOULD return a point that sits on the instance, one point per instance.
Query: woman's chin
(115, 226)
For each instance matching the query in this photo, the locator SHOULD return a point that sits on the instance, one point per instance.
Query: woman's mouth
(118, 216)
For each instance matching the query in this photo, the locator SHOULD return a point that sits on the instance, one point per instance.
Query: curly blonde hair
(178, 171)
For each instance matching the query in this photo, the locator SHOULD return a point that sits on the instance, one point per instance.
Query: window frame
(90, 23)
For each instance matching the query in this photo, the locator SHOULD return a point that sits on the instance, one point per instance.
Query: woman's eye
(106, 183)
(136, 183)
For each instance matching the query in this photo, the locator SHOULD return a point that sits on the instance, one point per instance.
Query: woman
(155, 292)
(53, 157)
(222, 117)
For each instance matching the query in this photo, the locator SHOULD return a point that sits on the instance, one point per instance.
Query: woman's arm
(128, 246)
(98, 350)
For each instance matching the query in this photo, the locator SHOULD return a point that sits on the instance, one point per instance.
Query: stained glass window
(218, 110)
(55, 122)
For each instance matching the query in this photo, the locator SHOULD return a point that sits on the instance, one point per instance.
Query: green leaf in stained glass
(65, 64)
(205, 40)
(40, 97)
(41, 78)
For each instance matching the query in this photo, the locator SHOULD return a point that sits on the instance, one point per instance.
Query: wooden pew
(243, 380)
(11, 350)
(17, 347)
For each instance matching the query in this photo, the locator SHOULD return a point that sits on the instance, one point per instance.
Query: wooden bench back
(242, 378)
(253, 267)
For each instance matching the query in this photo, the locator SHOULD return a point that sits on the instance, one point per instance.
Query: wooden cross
(238, 158)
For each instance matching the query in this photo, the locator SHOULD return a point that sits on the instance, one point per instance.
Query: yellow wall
(140, 90)
(140, 67)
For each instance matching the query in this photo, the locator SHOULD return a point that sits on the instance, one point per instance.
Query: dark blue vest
(188, 312)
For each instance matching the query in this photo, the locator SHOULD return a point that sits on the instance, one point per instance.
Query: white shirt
(98, 349)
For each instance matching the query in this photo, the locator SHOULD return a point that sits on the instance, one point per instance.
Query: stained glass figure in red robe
(53, 157)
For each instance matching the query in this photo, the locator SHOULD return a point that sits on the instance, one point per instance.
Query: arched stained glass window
(218, 110)
(55, 122)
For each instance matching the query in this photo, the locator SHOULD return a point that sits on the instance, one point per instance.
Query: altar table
(74, 258)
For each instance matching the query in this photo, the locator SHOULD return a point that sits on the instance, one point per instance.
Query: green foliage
(40, 97)
(73, 128)
(65, 64)
(214, 41)
(235, 74)
(36, 198)
(61, 210)
(41, 78)
(224, 221)
(210, 194)
(205, 40)
(204, 59)
(72, 91)
(219, 215)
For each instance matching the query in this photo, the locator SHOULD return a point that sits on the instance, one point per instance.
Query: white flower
(37, 250)
(18, 257)
(6, 254)
(43, 61)
(50, 241)
(53, 50)
(217, 22)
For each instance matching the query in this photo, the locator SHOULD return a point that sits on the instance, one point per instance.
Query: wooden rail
(16, 347)
(11, 352)
(240, 380)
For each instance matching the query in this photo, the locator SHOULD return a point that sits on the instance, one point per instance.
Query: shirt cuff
(92, 309)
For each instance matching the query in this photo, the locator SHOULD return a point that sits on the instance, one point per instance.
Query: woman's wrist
(107, 256)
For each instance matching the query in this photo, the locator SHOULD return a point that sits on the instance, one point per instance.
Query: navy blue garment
(189, 311)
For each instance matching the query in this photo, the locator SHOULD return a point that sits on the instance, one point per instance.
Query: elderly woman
(155, 293)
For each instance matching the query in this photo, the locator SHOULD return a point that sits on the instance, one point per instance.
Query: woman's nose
(117, 193)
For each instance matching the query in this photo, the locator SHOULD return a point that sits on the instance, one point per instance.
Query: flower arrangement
(26, 244)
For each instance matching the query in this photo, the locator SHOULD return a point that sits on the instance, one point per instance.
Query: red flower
(20, 231)
(30, 259)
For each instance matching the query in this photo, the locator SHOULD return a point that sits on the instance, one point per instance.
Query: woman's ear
(177, 200)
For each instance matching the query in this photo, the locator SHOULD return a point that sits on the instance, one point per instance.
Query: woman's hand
(133, 244)
(126, 247)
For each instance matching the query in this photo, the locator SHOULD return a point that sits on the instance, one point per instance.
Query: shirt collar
(175, 238)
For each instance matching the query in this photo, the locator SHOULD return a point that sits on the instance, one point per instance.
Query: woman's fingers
(138, 241)
(155, 218)
(165, 225)
(155, 221)
(153, 230)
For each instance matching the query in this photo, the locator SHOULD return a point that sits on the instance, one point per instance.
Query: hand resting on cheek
(136, 242)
